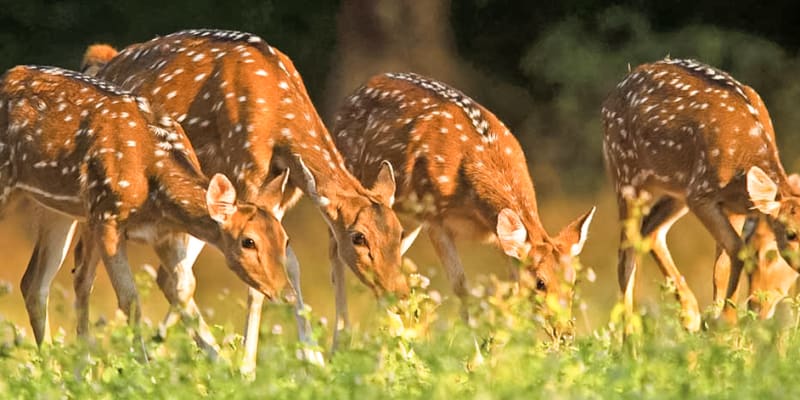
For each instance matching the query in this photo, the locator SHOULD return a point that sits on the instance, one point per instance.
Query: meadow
(416, 353)
(417, 348)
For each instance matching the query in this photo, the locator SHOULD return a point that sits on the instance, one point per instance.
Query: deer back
(80, 145)
(689, 129)
(236, 96)
(443, 145)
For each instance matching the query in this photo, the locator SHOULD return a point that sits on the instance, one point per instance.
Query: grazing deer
(460, 172)
(769, 282)
(246, 110)
(771, 279)
(87, 151)
(696, 139)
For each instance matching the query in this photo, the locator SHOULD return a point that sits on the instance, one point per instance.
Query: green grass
(414, 352)
(419, 348)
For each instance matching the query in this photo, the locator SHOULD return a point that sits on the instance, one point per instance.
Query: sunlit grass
(412, 351)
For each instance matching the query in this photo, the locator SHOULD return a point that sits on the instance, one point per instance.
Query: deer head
(773, 277)
(95, 57)
(367, 231)
(782, 211)
(547, 266)
(249, 235)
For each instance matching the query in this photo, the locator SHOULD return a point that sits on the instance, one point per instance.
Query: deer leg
(445, 248)
(716, 222)
(255, 302)
(303, 325)
(628, 260)
(52, 245)
(113, 252)
(177, 253)
(86, 259)
(722, 271)
(656, 225)
(340, 293)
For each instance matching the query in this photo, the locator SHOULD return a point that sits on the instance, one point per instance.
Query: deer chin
(562, 332)
(373, 284)
(399, 286)
(766, 308)
(380, 287)
(268, 290)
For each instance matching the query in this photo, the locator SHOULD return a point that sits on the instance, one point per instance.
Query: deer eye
(358, 239)
(248, 243)
(540, 285)
(791, 235)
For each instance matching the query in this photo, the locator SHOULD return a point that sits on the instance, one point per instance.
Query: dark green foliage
(57, 32)
(568, 55)
(565, 55)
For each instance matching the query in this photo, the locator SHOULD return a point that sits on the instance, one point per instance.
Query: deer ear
(272, 194)
(311, 185)
(385, 185)
(512, 234)
(409, 238)
(221, 199)
(574, 235)
(95, 57)
(763, 192)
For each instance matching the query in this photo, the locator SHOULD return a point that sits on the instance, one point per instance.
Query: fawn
(460, 173)
(697, 140)
(88, 151)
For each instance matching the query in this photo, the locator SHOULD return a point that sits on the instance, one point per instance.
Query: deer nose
(754, 306)
(288, 294)
(564, 329)
(400, 286)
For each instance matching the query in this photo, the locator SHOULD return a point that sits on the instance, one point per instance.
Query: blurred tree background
(542, 67)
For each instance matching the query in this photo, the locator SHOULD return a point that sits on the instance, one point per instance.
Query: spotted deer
(460, 173)
(87, 151)
(769, 282)
(246, 110)
(697, 140)
(772, 278)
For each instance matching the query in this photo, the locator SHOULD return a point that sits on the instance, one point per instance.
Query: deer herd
(123, 151)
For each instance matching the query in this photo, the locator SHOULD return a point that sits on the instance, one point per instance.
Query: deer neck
(335, 184)
(513, 190)
(333, 181)
(784, 188)
(182, 200)
(532, 223)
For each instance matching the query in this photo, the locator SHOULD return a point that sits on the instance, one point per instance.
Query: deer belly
(69, 206)
(55, 197)
(468, 227)
(145, 233)
(657, 169)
